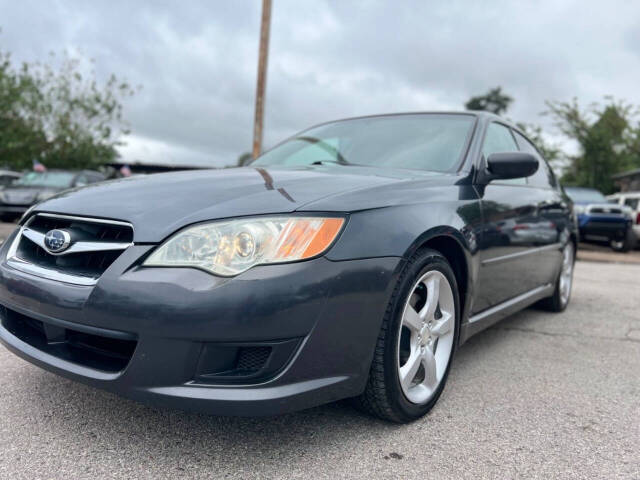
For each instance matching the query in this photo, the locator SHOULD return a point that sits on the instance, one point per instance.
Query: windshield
(585, 195)
(45, 179)
(420, 141)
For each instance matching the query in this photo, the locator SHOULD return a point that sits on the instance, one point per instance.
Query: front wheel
(416, 341)
(625, 244)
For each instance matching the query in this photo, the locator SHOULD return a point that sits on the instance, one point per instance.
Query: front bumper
(326, 313)
(602, 228)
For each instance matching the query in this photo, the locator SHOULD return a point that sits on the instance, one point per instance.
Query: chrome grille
(97, 230)
(96, 244)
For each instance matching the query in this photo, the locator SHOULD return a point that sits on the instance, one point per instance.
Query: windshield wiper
(332, 162)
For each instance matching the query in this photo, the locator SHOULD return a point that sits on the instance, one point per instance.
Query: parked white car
(631, 200)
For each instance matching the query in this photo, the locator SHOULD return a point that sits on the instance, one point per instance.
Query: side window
(6, 180)
(499, 139)
(543, 178)
(81, 180)
(94, 178)
(632, 202)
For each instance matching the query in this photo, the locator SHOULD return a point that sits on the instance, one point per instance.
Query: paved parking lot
(539, 395)
(603, 253)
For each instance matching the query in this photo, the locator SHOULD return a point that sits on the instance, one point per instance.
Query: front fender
(398, 231)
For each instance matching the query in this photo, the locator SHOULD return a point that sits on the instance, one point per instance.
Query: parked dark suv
(34, 187)
(351, 260)
(601, 221)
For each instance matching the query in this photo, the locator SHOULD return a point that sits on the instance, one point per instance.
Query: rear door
(510, 233)
(552, 212)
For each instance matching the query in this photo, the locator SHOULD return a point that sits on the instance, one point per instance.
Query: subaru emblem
(56, 241)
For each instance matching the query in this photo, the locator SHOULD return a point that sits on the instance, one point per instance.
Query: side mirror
(502, 166)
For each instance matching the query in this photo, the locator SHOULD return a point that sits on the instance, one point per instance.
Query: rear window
(585, 195)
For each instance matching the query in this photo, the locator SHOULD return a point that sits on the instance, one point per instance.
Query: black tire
(554, 303)
(9, 217)
(383, 396)
(625, 245)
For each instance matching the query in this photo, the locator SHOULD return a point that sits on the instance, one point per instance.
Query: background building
(628, 181)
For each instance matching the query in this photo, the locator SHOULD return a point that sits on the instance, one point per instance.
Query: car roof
(624, 194)
(481, 115)
(471, 113)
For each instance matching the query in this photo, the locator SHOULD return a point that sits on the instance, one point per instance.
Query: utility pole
(262, 77)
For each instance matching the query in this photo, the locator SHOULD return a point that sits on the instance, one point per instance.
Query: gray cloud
(196, 61)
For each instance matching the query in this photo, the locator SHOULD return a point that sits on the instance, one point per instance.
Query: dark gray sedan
(349, 261)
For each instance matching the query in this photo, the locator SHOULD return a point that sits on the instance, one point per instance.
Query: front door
(510, 232)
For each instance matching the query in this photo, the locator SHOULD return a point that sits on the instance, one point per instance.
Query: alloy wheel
(617, 245)
(426, 337)
(566, 274)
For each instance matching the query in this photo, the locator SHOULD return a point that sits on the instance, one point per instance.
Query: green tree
(57, 116)
(550, 151)
(21, 135)
(493, 101)
(497, 102)
(608, 136)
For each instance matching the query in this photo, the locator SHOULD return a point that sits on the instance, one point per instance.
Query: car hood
(158, 205)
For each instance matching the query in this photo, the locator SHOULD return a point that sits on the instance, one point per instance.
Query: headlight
(579, 209)
(231, 247)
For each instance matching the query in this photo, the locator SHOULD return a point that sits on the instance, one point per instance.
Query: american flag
(38, 167)
(125, 171)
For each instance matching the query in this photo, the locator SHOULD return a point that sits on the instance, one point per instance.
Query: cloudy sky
(196, 61)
